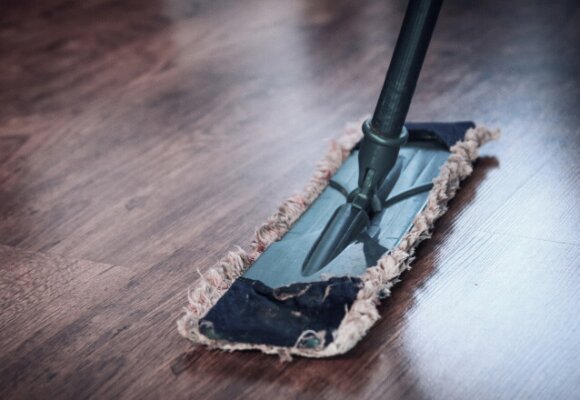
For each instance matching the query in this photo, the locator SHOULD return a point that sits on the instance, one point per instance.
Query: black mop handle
(406, 63)
(384, 134)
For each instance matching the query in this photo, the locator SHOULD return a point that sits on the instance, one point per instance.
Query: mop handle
(385, 134)
(406, 63)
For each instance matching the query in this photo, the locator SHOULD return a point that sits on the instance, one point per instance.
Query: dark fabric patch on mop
(251, 312)
(446, 133)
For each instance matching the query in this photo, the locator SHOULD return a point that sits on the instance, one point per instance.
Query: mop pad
(329, 315)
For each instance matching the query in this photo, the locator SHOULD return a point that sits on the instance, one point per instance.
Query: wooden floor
(140, 139)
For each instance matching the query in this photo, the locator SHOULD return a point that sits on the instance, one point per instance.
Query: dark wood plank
(51, 309)
(139, 140)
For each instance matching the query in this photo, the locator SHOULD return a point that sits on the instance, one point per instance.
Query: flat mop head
(274, 298)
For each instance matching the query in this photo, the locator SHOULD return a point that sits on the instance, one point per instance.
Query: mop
(315, 272)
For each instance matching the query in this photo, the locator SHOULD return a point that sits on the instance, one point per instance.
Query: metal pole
(406, 63)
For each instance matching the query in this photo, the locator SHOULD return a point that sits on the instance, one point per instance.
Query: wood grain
(139, 140)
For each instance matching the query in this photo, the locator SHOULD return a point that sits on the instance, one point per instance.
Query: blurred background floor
(139, 140)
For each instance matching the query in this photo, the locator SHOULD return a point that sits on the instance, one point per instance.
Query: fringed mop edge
(377, 280)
